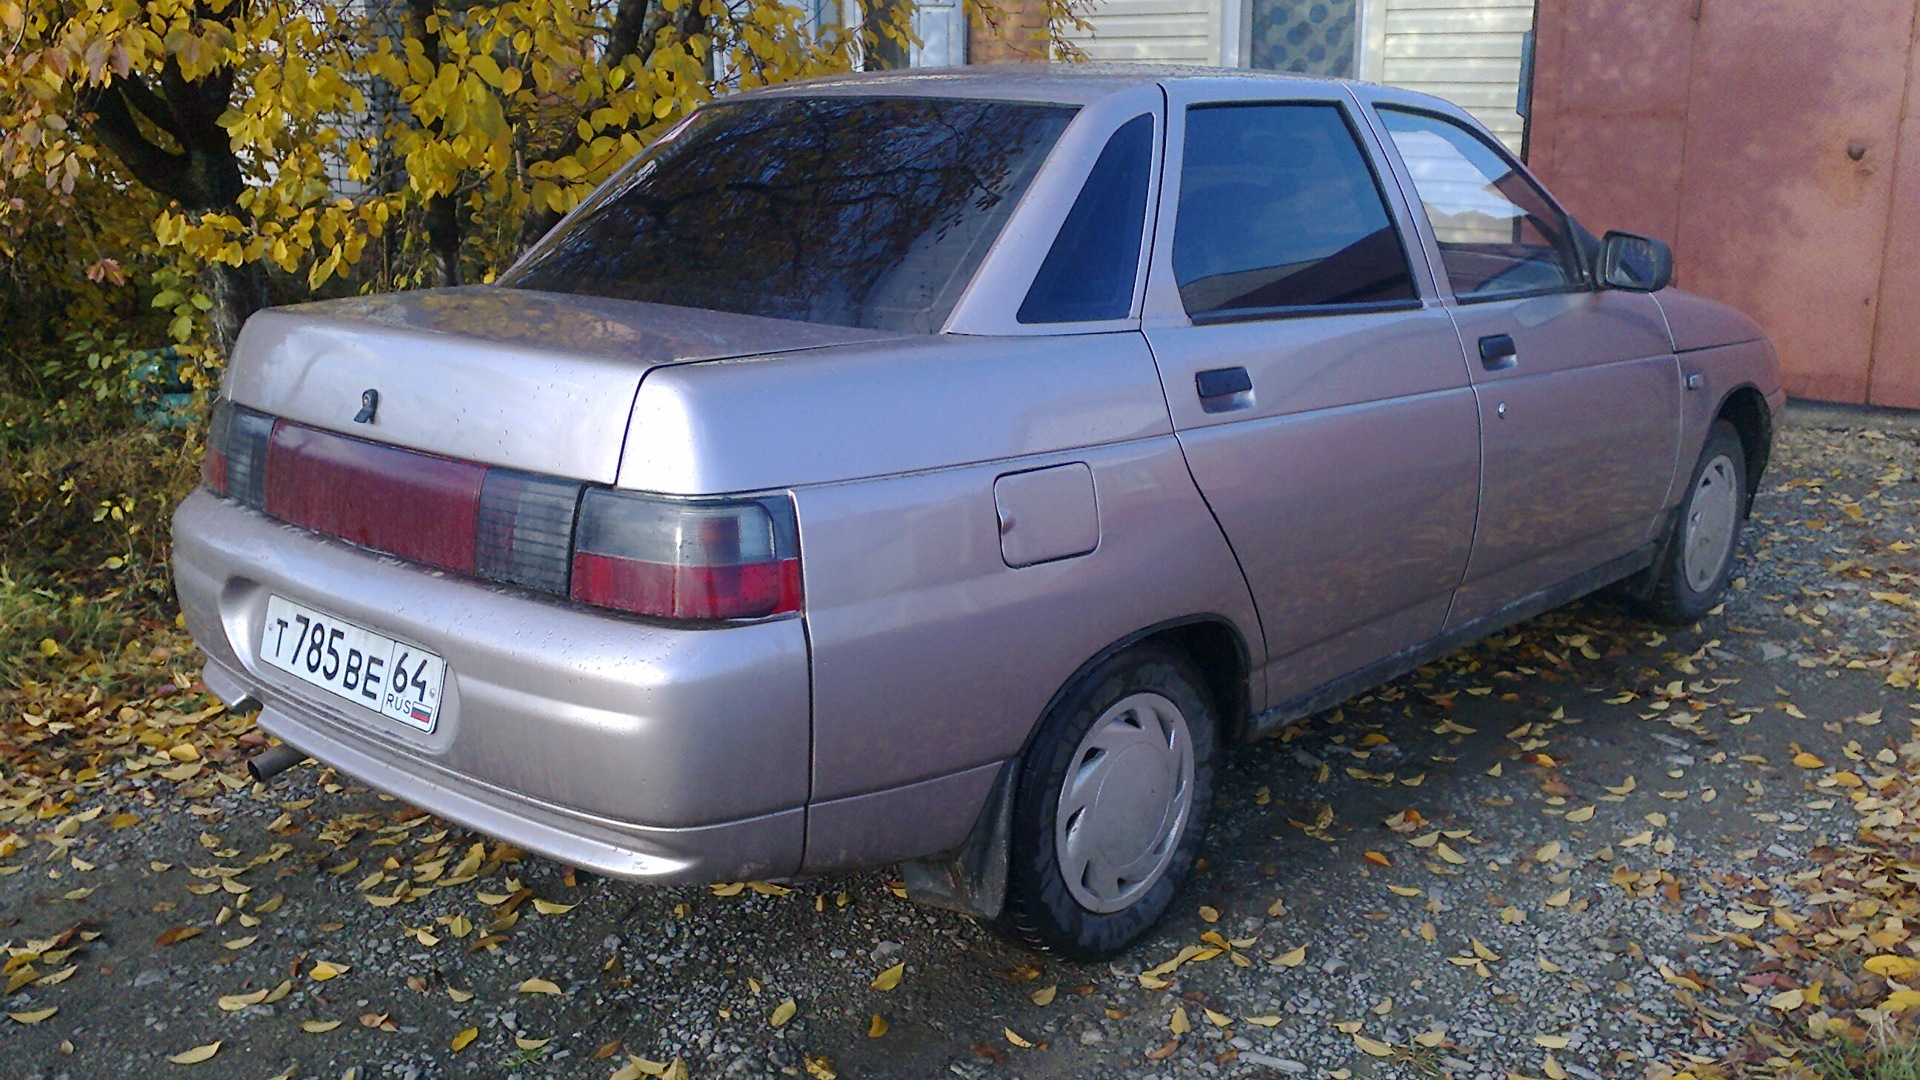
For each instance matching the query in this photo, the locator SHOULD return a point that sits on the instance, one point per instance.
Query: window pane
(1278, 209)
(1090, 270)
(1313, 37)
(1497, 233)
(869, 212)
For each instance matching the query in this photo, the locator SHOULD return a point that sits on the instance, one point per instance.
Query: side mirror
(1635, 263)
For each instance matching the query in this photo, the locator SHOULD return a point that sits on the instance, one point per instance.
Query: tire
(1111, 805)
(1697, 559)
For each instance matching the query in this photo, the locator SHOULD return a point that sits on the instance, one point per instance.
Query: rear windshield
(868, 212)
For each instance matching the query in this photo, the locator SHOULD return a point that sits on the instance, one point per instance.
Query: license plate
(399, 681)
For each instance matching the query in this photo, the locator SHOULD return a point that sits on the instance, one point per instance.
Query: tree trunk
(443, 211)
(443, 239)
(237, 292)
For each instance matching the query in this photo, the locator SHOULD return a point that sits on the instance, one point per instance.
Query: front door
(1577, 388)
(1315, 383)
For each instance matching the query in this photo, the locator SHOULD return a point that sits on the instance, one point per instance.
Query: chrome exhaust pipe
(273, 761)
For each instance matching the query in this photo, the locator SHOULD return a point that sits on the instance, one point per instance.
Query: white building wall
(1467, 51)
(1167, 31)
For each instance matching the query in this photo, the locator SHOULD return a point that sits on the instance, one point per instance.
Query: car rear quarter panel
(932, 658)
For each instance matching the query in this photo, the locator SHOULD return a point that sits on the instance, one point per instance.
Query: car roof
(1065, 83)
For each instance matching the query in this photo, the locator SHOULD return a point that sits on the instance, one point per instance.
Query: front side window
(849, 211)
(1279, 211)
(1498, 234)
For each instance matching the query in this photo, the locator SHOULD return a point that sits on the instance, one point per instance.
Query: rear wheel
(1699, 551)
(1111, 806)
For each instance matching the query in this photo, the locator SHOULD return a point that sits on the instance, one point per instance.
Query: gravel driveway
(1548, 855)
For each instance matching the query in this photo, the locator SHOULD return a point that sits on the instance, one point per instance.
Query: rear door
(1313, 377)
(1577, 388)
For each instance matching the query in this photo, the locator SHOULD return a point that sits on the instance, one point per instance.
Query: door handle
(1222, 382)
(1497, 352)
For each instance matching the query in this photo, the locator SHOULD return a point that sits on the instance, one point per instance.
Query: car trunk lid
(532, 381)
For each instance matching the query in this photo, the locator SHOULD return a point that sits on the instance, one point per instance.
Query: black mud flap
(972, 878)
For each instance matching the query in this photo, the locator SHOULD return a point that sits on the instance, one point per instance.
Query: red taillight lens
(687, 559)
(412, 505)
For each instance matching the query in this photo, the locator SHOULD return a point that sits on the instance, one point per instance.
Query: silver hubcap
(1125, 802)
(1713, 517)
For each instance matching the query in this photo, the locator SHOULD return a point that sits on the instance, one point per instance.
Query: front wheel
(1699, 553)
(1112, 802)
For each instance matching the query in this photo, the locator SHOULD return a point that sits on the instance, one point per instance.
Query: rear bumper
(629, 749)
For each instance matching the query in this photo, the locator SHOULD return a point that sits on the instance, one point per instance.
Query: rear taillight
(700, 560)
(236, 462)
(687, 558)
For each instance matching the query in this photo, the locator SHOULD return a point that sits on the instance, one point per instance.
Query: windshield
(850, 211)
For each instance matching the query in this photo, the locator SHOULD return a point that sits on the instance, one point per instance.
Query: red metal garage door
(1765, 139)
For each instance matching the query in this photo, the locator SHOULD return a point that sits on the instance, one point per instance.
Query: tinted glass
(1497, 233)
(1090, 269)
(1279, 210)
(868, 212)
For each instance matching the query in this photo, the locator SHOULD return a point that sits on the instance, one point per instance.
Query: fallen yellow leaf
(1178, 1023)
(323, 970)
(1807, 761)
(1584, 814)
(318, 1027)
(783, 1012)
(1291, 959)
(1372, 1047)
(464, 1039)
(35, 1016)
(1044, 995)
(196, 1055)
(538, 986)
(889, 978)
(1892, 967)
(236, 1002)
(877, 1028)
(1901, 1000)
(1014, 1038)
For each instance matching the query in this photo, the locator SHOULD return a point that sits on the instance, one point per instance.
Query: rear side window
(1279, 213)
(1497, 233)
(1090, 270)
(850, 211)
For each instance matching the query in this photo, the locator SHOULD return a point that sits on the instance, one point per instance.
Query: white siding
(1467, 51)
(1168, 31)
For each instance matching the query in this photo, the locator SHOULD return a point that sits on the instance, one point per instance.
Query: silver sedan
(947, 468)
